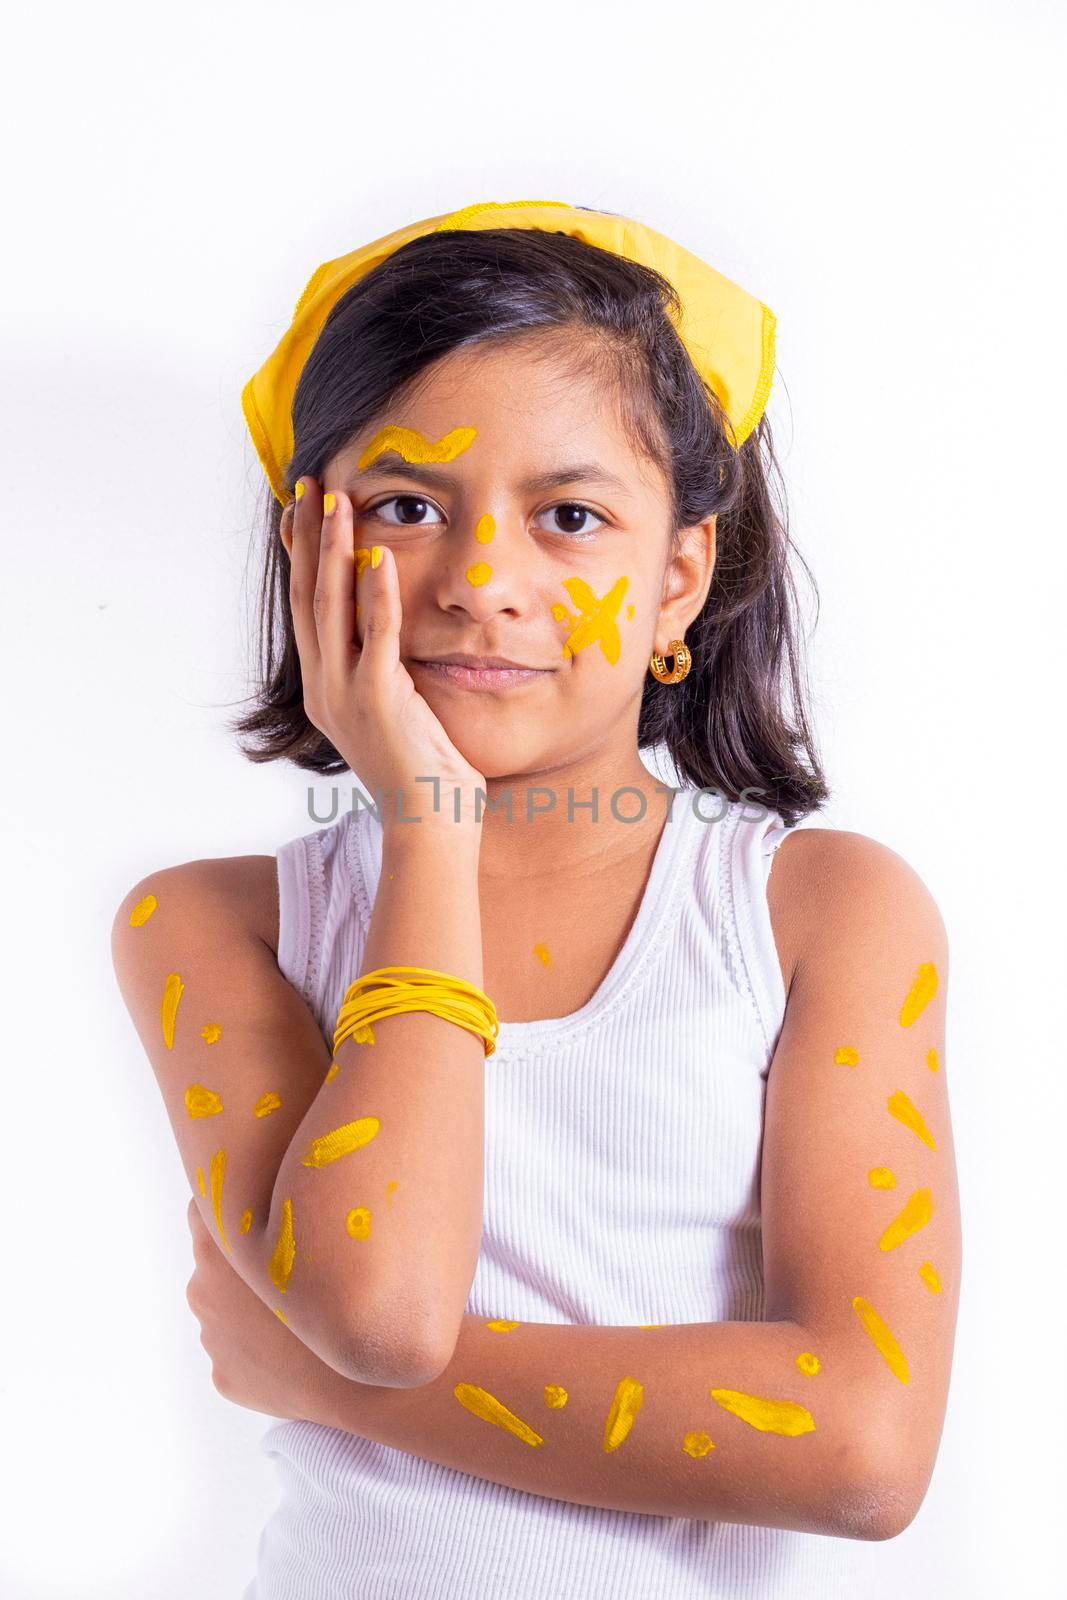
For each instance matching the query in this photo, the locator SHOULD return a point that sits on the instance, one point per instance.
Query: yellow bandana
(728, 333)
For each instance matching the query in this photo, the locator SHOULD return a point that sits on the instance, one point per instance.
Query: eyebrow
(392, 465)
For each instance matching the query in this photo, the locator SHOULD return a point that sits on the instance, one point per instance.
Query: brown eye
(411, 517)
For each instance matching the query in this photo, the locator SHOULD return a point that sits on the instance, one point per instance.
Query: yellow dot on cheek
(480, 573)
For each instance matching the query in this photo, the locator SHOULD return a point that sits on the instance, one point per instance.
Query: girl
(604, 1238)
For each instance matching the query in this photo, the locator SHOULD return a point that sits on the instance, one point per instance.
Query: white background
(888, 180)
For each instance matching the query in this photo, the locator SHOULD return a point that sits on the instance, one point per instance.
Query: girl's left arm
(826, 1417)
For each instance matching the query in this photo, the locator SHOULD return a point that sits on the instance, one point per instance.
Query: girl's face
(525, 527)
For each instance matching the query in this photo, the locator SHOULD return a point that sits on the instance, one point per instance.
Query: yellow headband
(728, 333)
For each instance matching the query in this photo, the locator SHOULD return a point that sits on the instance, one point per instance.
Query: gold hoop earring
(683, 660)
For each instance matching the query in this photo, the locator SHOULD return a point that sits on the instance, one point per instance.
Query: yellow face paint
(930, 1277)
(480, 1403)
(697, 1444)
(500, 1326)
(922, 991)
(280, 1315)
(846, 1056)
(881, 1178)
(882, 1338)
(917, 1211)
(340, 1142)
(357, 1222)
(629, 1398)
(201, 1102)
(769, 1416)
(931, 1060)
(142, 911)
(555, 1396)
(281, 1262)
(480, 573)
(484, 529)
(561, 614)
(541, 952)
(362, 561)
(598, 625)
(902, 1108)
(267, 1103)
(415, 446)
(200, 1181)
(246, 1221)
(211, 1033)
(173, 990)
(335, 1067)
(218, 1173)
(809, 1364)
(630, 612)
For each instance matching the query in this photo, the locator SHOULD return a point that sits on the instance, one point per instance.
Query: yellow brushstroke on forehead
(922, 991)
(769, 1416)
(628, 1400)
(415, 446)
(697, 1443)
(480, 1403)
(211, 1033)
(340, 1142)
(598, 624)
(484, 528)
(281, 1262)
(480, 573)
(173, 989)
(267, 1103)
(201, 1102)
(881, 1337)
(916, 1213)
(218, 1173)
(930, 1277)
(906, 1112)
(142, 911)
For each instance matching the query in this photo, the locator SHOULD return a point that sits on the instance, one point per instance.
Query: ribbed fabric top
(622, 1151)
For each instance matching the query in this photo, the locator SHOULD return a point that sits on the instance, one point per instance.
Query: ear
(686, 581)
(285, 527)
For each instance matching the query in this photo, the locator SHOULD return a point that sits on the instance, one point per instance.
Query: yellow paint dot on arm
(902, 1108)
(541, 952)
(931, 1060)
(390, 1189)
(881, 1178)
(281, 1262)
(280, 1315)
(846, 1056)
(555, 1396)
(480, 1403)
(916, 1213)
(211, 1033)
(201, 1102)
(697, 1443)
(808, 1363)
(769, 1416)
(628, 1400)
(499, 1325)
(358, 1222)
(246, 1221)
(200, 1181)
(930, 1277)
(267, 1103)
(173, 989)
(629, 613)
(340, 1142)
(142, 911)
(480, 573)
(335, 1067)
(881, 1337)
(218, 1173)
(922, 991)
(485, 529)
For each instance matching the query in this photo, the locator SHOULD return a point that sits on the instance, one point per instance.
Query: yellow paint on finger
(930, 1277)
(201, 1102)
(358, 1222)
(916, 1213)
(697, 1443)
(899, 1106)
(931, 1060)
(281, 1262)
(541, 952)
(846, 1056)
(173, 990)
(267, 1103)
(629, 1398)
(200, 1181)
(484, 528)
(879, 1332)
(211, 1033)
(335, 1067)
(809, 1364)
(143, 910)
(340, 1142)
(499, 1325)
(769, 1416)
(922, 991)
(882, 1178)
(480, 573)
(598, 624)
(414, 446)
(246, 1221)
(480, 1403)
(555, 1396)
(218, 1173)
(280, 1315)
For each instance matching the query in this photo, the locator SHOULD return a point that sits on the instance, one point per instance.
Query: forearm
(377, 1246)
(637, 1419)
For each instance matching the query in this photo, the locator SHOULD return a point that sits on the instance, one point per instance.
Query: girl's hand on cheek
(362, 697)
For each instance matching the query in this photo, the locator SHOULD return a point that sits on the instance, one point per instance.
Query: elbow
(387, 1363)
(876, 1503)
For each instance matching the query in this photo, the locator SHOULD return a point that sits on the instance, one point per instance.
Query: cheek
(597, 615)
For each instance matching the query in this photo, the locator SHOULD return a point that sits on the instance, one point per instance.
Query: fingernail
(328, 502)
(375, 554)
(299, 490)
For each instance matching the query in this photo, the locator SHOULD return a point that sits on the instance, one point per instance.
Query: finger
(303, 576)
(380, 609)
(335, 595)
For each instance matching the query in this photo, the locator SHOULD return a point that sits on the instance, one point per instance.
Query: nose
(485, 572)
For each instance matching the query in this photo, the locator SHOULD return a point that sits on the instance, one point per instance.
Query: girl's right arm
(348, 1198)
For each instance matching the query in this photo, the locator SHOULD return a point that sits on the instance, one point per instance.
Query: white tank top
(622, 1151)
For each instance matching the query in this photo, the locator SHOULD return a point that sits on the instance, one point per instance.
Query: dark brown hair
(737, 724)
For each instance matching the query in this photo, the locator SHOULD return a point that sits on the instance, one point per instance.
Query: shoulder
(236, 891)
(828, 884)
